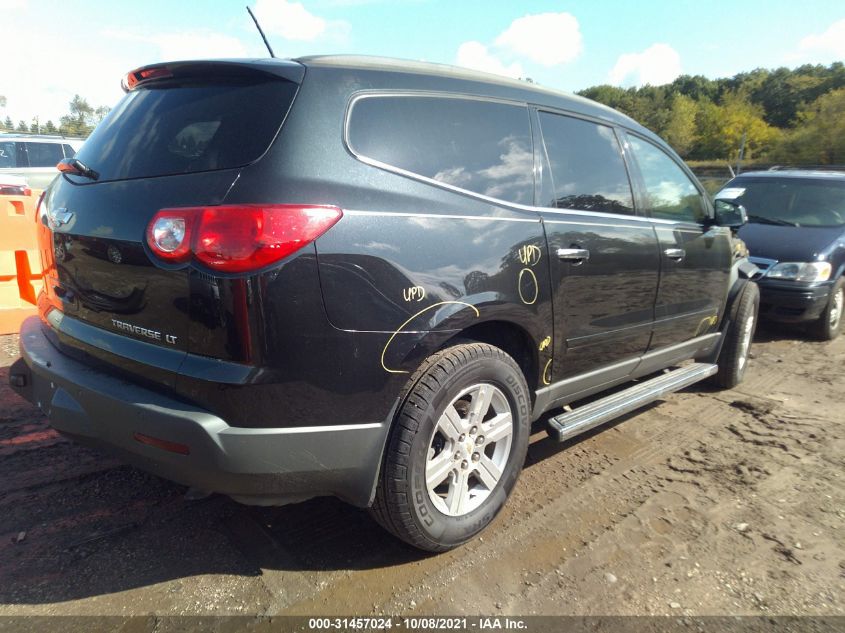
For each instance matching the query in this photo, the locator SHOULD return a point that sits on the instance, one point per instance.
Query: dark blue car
(796, 236)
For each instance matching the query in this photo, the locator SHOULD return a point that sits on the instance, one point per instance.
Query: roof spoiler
(211, 69)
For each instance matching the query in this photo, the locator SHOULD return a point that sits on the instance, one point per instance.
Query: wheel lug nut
(473, 430)
(476, 457)
(479, 440)
(462, 437)
(465, 464)
(457, 456)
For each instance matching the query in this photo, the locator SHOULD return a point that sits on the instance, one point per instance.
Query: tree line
(80, 120)
(794, 116)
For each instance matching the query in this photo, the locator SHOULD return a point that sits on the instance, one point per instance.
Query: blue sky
(59, 48)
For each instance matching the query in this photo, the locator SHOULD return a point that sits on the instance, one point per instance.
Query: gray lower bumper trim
(262, 466)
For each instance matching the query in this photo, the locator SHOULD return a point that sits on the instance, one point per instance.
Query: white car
(33, 157)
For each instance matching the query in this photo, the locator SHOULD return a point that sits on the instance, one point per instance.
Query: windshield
(178, 128)
(789, 201)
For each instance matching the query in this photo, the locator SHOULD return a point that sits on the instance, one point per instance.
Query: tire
(733, 359)
(829, 324)
(434, 435)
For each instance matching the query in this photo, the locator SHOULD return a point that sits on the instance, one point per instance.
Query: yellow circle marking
(519, 286)
(401, 327)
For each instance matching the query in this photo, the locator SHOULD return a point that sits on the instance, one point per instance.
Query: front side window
(481, 146)
(670, 193)
(44, 154)
(588, 171)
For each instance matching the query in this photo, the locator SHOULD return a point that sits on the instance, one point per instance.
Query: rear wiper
(76, 167)
(761, 220)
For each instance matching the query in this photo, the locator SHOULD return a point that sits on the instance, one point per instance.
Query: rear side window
(44, 154)
(671, 194)
(179, 128)
(8, 154)
(481, 146)
(69, 151)
(588, 171)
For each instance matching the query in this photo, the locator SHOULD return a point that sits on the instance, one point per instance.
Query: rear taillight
(15, 190)
(237, 239)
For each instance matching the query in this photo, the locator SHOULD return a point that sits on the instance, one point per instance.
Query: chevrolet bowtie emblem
(57, 218)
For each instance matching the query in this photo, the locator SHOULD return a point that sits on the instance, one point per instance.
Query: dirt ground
(706, 503)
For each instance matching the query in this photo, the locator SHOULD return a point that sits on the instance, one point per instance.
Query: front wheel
(456, 449)
(829, 324)
(733, 359)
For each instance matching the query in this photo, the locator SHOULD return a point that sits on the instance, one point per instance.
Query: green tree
(8, 124)
(81, 119)
(22, 126)
(50, 128)
(679, 129)
(819, 137)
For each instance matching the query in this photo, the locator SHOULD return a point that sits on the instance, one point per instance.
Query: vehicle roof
(529, 91)
(795, 173)
(38, 137)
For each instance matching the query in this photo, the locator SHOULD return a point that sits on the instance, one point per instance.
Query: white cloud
(829, 45)
(657, 65)
(182, 45)
(476, 56)
(293, 21)
(548, 39)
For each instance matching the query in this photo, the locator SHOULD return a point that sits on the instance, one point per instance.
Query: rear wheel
(456, 448)
(733, 359)
(829, 324)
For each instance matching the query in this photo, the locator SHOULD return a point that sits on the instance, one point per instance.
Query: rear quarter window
(472, 144)
(189, 126)
(44, 154)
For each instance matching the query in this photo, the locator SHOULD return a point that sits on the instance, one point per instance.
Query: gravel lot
(704, 503)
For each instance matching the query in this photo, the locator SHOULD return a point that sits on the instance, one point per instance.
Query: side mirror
(730, 214)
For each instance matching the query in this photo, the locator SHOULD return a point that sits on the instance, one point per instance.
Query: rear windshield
(789, 201)
(182, 128)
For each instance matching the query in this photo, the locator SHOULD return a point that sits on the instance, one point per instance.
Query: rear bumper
(256, 466)
(792, 304)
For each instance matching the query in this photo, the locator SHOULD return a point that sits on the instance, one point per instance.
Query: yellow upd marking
(414, 293)
(401, 327)
(529, 255)
(519, 286)
(545, 343)
(547, 379)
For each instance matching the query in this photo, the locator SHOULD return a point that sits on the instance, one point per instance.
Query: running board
(567, 425)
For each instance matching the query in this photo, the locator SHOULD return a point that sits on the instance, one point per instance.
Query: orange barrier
(20, 262)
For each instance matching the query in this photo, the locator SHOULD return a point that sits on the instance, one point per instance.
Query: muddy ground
(704, 503)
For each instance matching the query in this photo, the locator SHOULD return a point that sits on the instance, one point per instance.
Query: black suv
(796, 236)
(367, 278)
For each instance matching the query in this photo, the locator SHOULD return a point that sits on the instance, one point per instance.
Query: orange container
(20, 262)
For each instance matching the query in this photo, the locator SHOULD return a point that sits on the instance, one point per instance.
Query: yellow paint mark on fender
(545, 343)
(519, 286)
(401, 327)
(547, 379)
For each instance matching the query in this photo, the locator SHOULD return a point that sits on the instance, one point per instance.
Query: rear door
(177, 142)
(695, 255)
(603, 257)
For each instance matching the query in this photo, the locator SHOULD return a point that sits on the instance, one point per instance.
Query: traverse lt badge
(142, 331)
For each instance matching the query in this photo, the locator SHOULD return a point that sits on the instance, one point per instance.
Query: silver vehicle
(34, 156)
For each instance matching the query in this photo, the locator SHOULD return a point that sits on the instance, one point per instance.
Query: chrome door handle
(573, 254)
(675, 253)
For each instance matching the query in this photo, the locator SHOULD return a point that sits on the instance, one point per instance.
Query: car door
(603, 257)
(695, 255)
